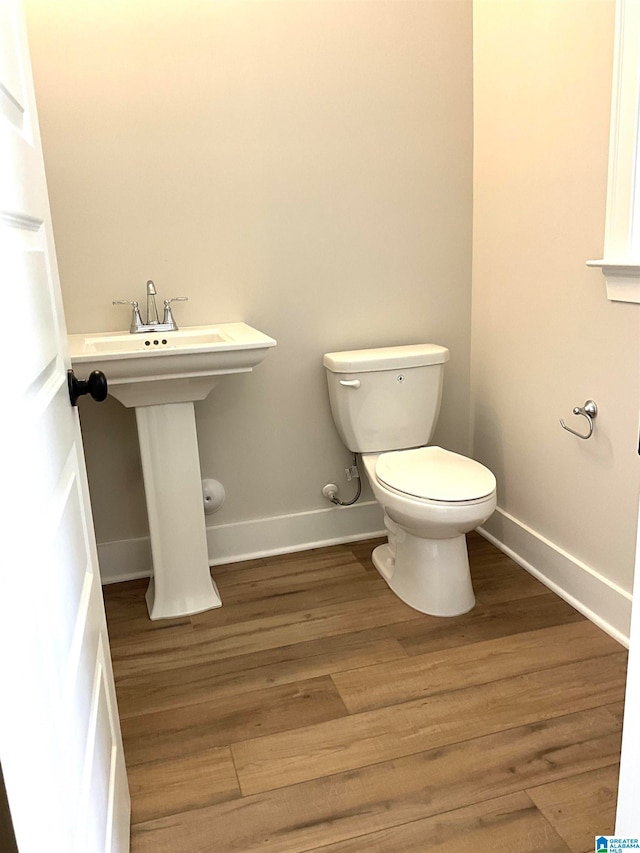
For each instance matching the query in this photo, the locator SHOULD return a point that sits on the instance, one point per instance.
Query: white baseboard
(283, 534)
(600, 600)
(596, 597)
(128, 559)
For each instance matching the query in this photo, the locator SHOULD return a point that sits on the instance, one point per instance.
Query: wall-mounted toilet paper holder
(589, 410)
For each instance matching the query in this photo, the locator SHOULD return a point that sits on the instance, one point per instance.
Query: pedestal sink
(161, 375)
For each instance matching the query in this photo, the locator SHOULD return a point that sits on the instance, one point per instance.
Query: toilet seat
(434, 474)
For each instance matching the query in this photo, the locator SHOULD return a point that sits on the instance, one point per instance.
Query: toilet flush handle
(350, 383)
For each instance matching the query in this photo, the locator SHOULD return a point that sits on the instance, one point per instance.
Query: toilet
(385, 403)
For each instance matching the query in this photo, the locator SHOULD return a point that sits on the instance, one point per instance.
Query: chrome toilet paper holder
(589, 411)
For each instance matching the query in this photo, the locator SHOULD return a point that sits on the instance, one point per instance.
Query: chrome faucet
(152, 308)
(152, 323)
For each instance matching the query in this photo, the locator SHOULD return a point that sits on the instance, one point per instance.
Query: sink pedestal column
(181, 582)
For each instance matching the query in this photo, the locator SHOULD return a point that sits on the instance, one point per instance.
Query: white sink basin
(169, 367)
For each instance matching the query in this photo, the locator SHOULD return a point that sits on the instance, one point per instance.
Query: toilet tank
(387, 398)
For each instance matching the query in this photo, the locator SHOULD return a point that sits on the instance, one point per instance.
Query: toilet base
(430, 575)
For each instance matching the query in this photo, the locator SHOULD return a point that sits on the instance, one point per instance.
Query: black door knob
(95, 385)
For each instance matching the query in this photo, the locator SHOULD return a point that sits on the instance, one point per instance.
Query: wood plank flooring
(316, 711)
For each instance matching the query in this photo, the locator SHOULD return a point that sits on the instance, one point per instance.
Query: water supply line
(330, 491)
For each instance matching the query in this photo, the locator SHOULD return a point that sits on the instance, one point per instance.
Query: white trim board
(621, 264)
(127, 559)
(599, 599)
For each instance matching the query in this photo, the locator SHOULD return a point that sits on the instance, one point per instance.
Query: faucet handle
(168, 315)
(136, 319)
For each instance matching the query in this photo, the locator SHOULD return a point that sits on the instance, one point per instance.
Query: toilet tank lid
(385, 358)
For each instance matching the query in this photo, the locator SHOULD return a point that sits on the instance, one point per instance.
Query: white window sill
(623, 279)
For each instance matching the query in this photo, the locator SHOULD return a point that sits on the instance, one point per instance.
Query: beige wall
(307, 167)
(302, 166)
(545, 338)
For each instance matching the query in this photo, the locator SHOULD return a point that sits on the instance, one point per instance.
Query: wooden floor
(316, 711)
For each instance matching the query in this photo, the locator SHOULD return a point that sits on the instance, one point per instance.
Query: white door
(60, 742)
(628, 812)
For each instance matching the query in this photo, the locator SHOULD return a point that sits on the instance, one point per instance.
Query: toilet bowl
(385, 403)
(425, 560)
